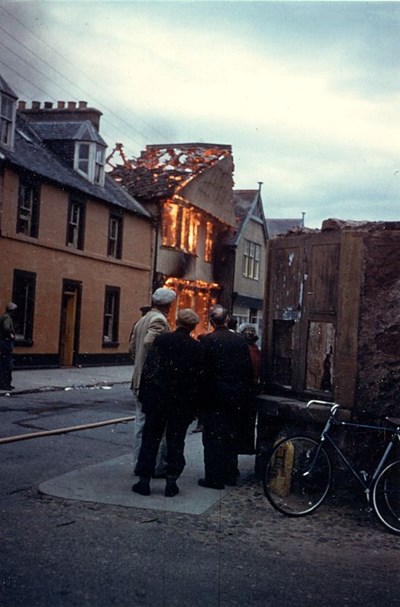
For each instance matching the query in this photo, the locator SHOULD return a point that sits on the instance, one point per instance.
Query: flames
(198, 295)
(180, 227)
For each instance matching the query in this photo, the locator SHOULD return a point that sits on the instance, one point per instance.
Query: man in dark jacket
(7, 336)
(169, 393)
(228, 377)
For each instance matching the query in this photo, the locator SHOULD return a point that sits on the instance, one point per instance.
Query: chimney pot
(48, 105)
(60, 105)
(71, 105)
(36, 105)
(82, 104)
(21, 105)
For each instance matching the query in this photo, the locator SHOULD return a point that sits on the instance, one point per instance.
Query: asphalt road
(60, 553)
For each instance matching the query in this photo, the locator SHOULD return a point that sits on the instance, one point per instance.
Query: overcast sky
(306, 93)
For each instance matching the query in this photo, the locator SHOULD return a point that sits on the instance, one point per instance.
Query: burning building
(188, 188)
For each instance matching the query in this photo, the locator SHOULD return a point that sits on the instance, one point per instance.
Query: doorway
(69, 324)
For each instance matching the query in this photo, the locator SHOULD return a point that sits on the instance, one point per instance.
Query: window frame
(184, 236)
(94, 161)
(112, 295)
(114, 243)
(24, 292)
(7, 120)
(251, 260)
(28, 188)
(77, 227)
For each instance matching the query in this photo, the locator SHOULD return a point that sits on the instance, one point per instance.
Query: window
(24, 296)
(114, 248)
(28, 208)
(209, 242)
(89, 161)
(251, 260)
(111, 316)
(76, 221)
(180, 227)
(7, 119)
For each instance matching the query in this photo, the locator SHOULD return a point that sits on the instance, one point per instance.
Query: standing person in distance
(7, 336)
(153, 323)
(228, 378)
(169, 392)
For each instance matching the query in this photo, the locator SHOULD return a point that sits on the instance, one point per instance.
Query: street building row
(86, 238)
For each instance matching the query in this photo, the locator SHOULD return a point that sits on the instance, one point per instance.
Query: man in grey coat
(144, 332)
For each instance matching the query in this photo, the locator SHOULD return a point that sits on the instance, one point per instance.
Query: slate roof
(30, 154)
(246, 203)
(162, 170)
(76, 131)
(6, 88)
(277, 227)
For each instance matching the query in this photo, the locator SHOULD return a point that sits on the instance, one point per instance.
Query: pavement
(110, 481)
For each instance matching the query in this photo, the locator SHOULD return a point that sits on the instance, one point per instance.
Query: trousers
(138, 426)
(174, 426)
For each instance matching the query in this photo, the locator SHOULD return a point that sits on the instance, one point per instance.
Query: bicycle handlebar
(333, 406)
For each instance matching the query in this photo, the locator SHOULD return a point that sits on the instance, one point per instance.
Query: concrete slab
(110, 482)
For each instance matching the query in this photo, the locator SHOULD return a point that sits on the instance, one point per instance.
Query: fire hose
(42, 433)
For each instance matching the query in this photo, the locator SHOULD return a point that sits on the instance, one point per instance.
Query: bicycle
(298, 473)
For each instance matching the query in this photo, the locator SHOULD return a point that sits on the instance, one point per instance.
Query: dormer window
(7, 120)
(89, 161)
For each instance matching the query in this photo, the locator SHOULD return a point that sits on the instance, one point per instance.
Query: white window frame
(251, 260)
(7, 120)
(94, 161)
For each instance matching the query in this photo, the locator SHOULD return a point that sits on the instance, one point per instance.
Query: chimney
(62, 111)
(21, 105)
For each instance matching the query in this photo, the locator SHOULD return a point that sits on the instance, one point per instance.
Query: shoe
(142, 487)
(203, 482)
(171, 488)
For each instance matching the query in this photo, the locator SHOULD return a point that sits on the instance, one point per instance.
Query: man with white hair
(7, 336)
(144, 333)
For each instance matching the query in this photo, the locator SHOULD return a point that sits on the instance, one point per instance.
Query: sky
(306, 93)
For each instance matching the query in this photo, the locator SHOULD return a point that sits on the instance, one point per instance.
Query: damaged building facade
(332, 329)
(188, 190)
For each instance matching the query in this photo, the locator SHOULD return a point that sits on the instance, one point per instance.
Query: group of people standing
(177, 378)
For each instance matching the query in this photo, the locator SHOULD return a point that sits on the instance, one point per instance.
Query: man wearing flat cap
(7, 336)
(169, 392)
(153, 323)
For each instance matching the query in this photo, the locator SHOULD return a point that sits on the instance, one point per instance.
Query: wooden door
(68, 325)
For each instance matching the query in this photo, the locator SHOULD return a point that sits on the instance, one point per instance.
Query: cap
(163, 296)
(218, 315)
(187, 318)
(11, 306)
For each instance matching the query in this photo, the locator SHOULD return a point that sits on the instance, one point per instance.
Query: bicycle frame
(362, 477)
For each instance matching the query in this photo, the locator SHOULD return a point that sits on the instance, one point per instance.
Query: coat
(171, 376)
(144, 332)
(229, 385)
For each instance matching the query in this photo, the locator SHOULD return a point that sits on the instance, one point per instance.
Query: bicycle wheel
(297, 476)
(386, 497)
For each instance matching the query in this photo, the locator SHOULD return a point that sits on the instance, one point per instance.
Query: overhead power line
(65, 78)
